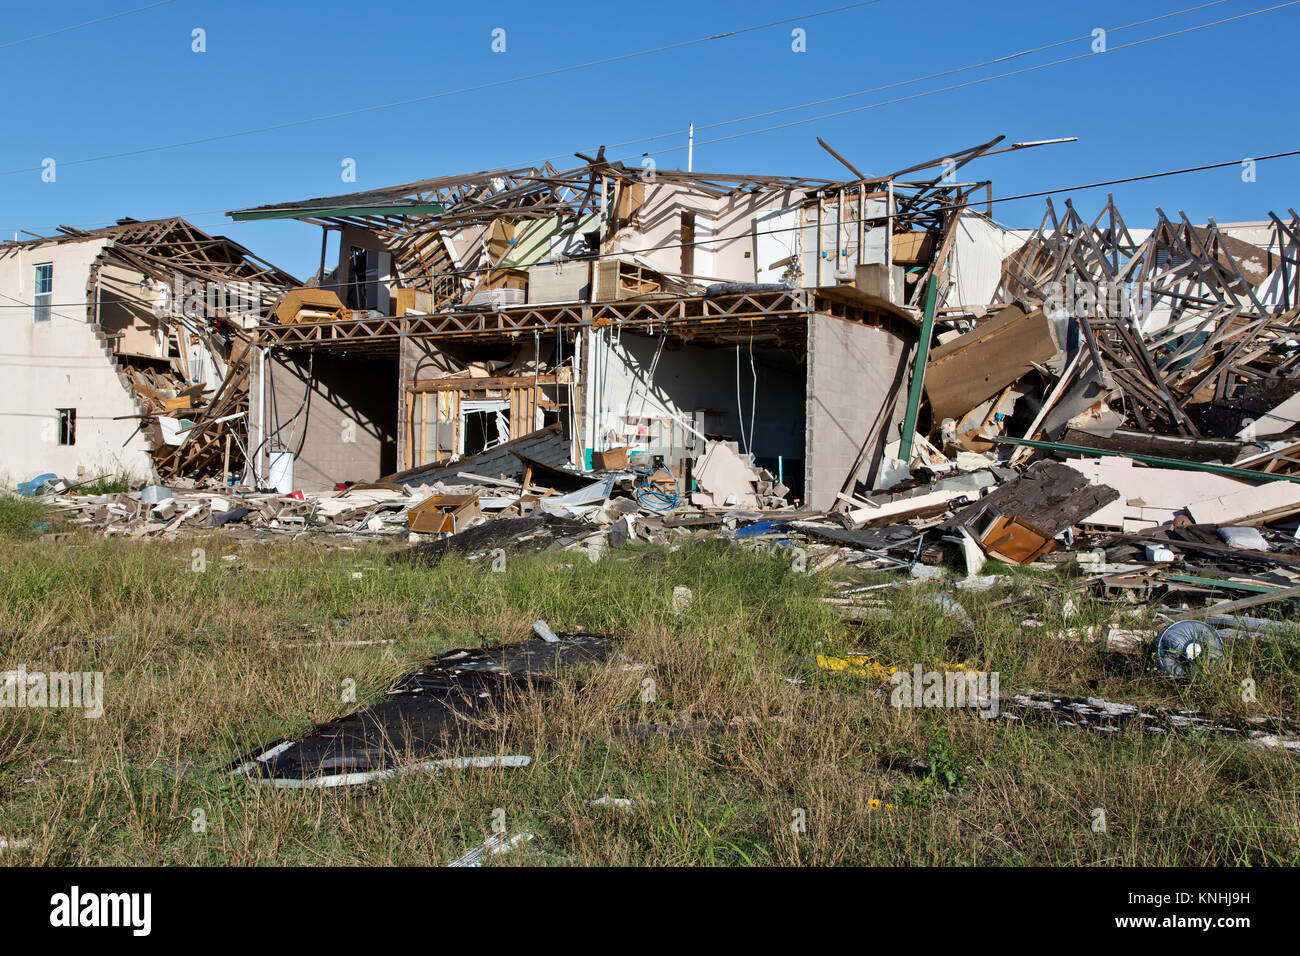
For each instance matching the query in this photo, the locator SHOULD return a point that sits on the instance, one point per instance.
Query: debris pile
(512, 496)
(1128, 404)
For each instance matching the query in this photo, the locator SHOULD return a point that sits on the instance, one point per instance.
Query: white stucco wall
(975, 270)
(60, 364)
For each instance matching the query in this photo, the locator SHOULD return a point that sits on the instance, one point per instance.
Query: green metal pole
(1222, 583)
(1085, 452)
(918, 372)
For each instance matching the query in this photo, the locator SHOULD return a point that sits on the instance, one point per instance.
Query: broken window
(688, 242)
(43, 287)
(483, 425)
(67, 426)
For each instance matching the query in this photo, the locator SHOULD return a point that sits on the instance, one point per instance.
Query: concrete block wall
(851, 368)
(348, 430)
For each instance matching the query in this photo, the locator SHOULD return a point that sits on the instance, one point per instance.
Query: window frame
(42, 301)
(67, 418)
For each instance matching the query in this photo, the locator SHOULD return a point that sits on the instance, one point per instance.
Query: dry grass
(201, 666)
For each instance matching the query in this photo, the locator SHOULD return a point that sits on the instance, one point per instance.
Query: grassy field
(206, 660)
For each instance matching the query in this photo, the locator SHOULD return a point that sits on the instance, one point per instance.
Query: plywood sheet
(976, 366)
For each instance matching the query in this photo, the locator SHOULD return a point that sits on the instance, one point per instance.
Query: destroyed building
(730, 341)
(874, 368)
(643, 311)
(126, 339)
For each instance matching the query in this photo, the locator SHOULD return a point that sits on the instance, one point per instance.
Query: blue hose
(656, 494)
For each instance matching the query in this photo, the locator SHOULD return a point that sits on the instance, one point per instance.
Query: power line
(919, 79)
(886, 218)
(998, 59)
(26, 305)
(1127, 179)
(446, 93)
(984, 79)
(88, 23)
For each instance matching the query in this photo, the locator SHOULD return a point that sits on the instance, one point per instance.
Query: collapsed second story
(605, 231)
(120, 339)
(629, 306)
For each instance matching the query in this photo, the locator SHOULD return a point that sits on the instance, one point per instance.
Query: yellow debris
(861, 665)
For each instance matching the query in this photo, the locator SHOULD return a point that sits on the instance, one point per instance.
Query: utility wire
(918, 79)
(681, 44)
(959, 86)
(999, 59)
(983, 79)
(1127, 179)
(884, 218)
(88, 23)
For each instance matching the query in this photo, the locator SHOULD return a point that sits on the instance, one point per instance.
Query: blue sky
(134, 82)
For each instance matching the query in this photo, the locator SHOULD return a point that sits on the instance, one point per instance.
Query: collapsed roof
(416, 218)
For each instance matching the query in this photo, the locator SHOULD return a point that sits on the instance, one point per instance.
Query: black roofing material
(546, 447)
(430, 713)
(1049, 495)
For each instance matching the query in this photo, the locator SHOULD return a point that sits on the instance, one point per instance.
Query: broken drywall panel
(1249, 506)
(725, 476)
(1149, 496)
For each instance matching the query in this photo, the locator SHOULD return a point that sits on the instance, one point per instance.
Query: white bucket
(280, 475)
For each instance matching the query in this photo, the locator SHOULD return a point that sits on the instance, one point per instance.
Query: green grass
(17, 515)
(105, 485)
(199, 664)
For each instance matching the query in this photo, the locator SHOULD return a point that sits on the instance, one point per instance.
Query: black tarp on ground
(534, 532)
(429, 713)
